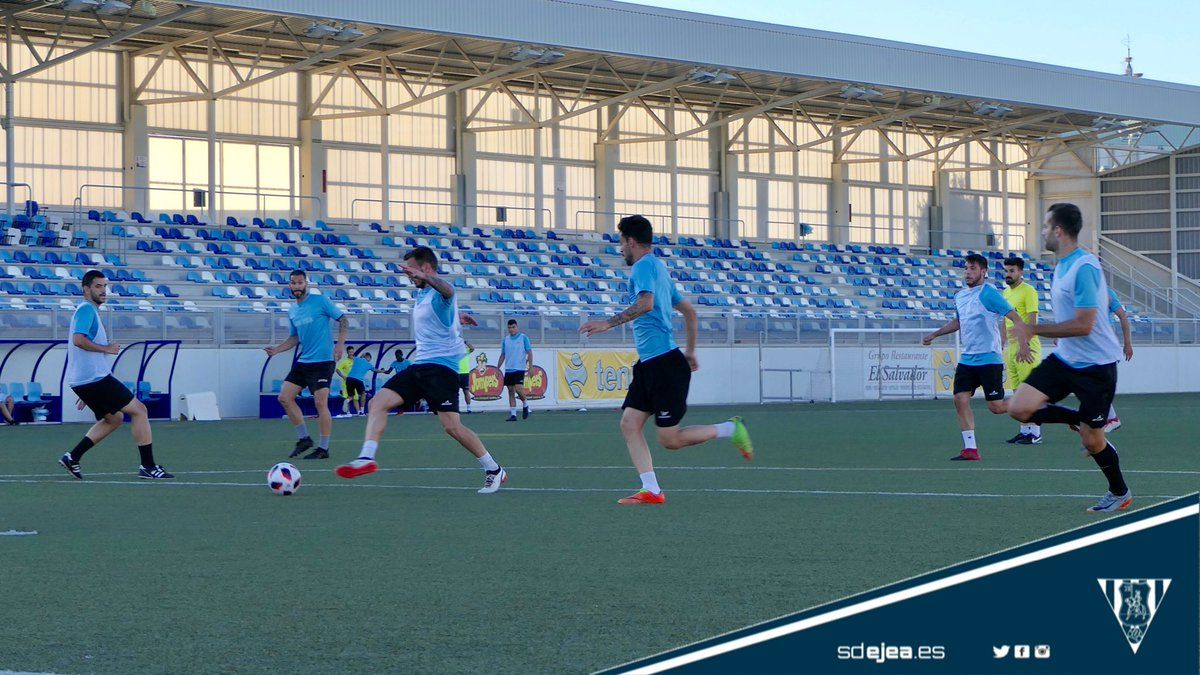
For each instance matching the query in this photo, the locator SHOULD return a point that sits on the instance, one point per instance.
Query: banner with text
(897, 371)
(592, 376)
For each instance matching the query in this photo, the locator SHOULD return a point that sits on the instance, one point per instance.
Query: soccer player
(89, 375)
(433, 375)
(6, 410)
(396, 366)
(517, 352)
(343, 371)
(1024, 298)
(464, 376)
(979, 308)
(663, 373)
(1085, 361)
(1115, 307)
(356, 383)
(308, 320)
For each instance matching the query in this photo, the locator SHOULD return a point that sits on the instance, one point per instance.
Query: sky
(1074, 33)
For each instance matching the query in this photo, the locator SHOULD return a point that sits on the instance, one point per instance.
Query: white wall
(726, 375)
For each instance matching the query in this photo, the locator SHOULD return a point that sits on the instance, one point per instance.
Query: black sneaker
(525, 413)
(155, 472)
(1016, 439)
(301, 445)
(70, 465)
(1030, 439)
(511, 418)
(319, 453)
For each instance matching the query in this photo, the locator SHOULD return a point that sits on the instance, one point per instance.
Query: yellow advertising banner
(590, 376)
(944, 362)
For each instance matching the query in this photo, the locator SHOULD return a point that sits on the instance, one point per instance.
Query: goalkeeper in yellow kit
(1024, 299)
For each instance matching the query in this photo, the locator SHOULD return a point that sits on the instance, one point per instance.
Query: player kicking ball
(662, 375)
(433, 375)
(978, 308)
(1085, 361)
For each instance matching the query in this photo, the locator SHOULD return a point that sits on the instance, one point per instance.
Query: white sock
(302, 431)
(1112, 412)
(1025, 429)
(969, 440)
(1036, 430)
(512, 411)
(488, 463)
(650, 482)
(368, 449)
(323, 443)
(725, 429)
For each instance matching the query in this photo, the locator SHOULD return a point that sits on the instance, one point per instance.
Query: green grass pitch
(408, 570)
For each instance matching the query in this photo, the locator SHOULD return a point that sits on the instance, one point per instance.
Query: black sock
(81, 447)
(1110, 464)
(147, 453)
(1055, 414)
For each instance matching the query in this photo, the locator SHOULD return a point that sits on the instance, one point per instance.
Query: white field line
(670, 469)
(871, 493)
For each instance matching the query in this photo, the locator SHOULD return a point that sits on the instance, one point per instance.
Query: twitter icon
(1000, 652)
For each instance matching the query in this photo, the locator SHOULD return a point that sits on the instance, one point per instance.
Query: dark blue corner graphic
(1121, 596)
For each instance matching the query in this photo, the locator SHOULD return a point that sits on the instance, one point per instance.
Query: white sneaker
(493, 481)
(1110, 502)
(1113, 425)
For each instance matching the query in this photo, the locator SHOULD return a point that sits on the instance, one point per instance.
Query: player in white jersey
(1085, 361)
(433, 375)
(979, 309)
(89, 374)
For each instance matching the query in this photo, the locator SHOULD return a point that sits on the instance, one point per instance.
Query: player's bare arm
(289, 343)
(950, 328)
(1126, 333)
(83, 342)
(1081, 325)
(640, 307)
(340, 347)
(1023, 336)
(692, 326)
(433, 281)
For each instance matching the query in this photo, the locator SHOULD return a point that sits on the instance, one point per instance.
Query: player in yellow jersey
(1024, 299)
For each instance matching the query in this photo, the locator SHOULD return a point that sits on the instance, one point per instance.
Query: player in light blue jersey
(1115, 307)
(308, 323)
(1085, 361)
(433, 375)
(979, 311)
(662, 375)
(89, 375)
(516, 359)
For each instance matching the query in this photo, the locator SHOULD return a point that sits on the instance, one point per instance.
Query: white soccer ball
(283, 479)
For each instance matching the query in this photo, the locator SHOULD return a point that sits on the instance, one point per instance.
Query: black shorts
(438, 385)
(660, 387)
(989, 376)
(104, 397)
(355, 387)
(514, 378)
(464, 380)
(313, 376)
(1094, 386)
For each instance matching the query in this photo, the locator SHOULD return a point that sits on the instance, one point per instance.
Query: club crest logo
(1134, 602)
(576, 375)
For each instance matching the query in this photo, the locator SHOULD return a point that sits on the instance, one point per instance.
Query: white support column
(725, 208)
(463, 183)
(135, 150)
(1033, 216)
(211, 109)
(839, 195)
(539, 187)
(937, 211)
(312, 154)
(604, 176)
(9, 131)
(385, 157)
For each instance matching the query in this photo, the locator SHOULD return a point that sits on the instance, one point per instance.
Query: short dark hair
(979, 260)
(422, 254)
(360, 355)
(90, 276)
(1068, 217)
(637, 228)
(299, 273)
(1015, 261)
(349, 349)
(400, 353)
(512, 322)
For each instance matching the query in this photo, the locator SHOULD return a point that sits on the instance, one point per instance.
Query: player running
(1085, 361)
(978, 308)
(433, 375)
(308, 322)
(89, 374)
(1024, 298)
(663, 373)
(517, 353)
